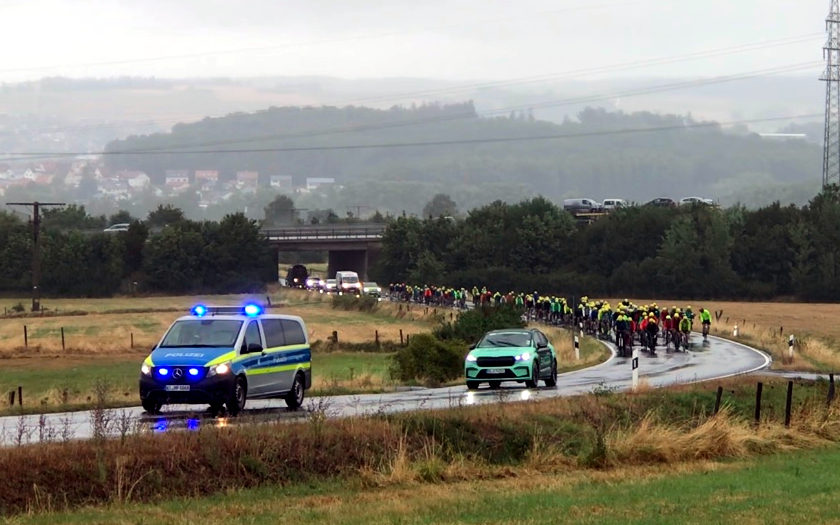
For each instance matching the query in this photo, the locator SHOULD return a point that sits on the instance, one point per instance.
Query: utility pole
(36, 247)
(359, 208)
(831, 76)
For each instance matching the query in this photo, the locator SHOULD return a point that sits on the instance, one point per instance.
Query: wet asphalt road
(715, 359)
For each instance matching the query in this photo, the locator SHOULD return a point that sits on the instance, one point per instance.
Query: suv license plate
(496, 371)
(177, 388)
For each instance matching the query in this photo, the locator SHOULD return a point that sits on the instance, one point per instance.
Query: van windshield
(350, 279)
(202, 333)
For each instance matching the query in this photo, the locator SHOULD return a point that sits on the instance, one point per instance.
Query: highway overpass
(353, 247)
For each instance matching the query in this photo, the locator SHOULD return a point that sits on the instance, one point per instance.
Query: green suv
(521, 355)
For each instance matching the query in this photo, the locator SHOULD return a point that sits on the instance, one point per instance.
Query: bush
(471, 325)
(428, 359)
(361, 303)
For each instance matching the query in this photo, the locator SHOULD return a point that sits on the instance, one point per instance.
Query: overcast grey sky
(445, 39)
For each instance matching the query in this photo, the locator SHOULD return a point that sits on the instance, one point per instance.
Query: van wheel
(472, 385)
(236, 402)
(294, 399)
(151, 406)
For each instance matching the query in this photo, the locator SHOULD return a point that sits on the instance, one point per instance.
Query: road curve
(715, 359)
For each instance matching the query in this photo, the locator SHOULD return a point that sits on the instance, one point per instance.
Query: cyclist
(652, 330)
(685, 329)
(706, 319)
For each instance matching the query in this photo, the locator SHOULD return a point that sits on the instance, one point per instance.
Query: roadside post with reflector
(635, 365)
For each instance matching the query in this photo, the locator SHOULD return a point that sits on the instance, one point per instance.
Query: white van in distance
(348, 282)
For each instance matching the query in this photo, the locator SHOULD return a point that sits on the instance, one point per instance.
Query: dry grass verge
(603, 431)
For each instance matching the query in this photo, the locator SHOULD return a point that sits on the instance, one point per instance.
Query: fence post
(20, 396)
(735, 331)
(11, 398)
(830, 389)
(577, 348)
(401, 337)
(717, 399)
(791, 340)
(25, 337)
(376, 337)
(62, 338)
(758, 389)
(788, 402)
(132, 339)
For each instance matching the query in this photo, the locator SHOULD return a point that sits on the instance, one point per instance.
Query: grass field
(659, 457)
(790, 488)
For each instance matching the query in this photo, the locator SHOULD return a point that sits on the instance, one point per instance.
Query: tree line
(697, 251)
(166, 253)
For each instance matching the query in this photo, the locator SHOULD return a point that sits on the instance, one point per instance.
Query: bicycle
(706, 327)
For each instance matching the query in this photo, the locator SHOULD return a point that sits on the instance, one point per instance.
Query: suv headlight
(524, 356)
(471, 358)
(145, 369)
(220, 369)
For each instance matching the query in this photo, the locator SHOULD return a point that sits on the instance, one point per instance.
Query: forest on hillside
(637, 156)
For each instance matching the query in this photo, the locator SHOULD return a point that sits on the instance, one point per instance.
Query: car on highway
(329, 286)
(224, 355)
(517, 354)
(662, 202)
(688, 201)
(371, 288)
(577, 206)
(614, 204)
(313, 283)
(120, 227)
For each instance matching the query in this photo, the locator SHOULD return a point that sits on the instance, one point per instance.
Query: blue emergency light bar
(249, 309)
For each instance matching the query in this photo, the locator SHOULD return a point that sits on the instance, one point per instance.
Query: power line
(741, 48)
(455, 116)
(759, 45)
(553, 136)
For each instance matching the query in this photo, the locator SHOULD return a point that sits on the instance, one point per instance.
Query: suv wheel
(551, 381)
(472, 385)
(535, 377)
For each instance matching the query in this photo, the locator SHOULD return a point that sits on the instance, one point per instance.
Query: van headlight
(471, 358)
(220, 369)
(145, 369)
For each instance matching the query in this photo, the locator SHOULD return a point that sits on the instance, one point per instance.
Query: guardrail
(312, 234)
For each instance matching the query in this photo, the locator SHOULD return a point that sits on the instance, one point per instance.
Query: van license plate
(178, 388)
(496, 371)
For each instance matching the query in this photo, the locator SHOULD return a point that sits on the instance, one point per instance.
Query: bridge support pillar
(353, 260)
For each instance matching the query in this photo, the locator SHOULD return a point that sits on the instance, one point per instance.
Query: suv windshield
(503, 339)
(202, 332)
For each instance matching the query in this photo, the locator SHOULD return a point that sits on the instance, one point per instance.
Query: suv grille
(496, 361)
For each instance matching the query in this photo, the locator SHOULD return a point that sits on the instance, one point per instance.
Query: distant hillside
(637, 156)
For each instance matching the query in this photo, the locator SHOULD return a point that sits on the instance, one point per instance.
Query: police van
(222, 355)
